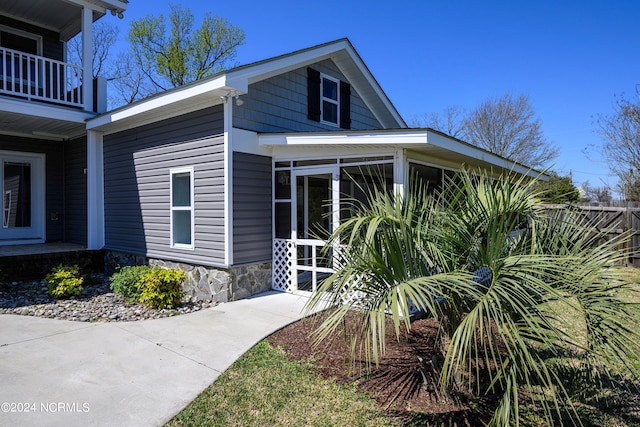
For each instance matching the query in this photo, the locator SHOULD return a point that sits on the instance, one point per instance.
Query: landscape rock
(96, 303)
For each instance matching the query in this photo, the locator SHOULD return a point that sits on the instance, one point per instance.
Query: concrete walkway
(61, 373)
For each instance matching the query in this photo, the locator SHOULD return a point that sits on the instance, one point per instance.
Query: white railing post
(87, 53)
(39, 78)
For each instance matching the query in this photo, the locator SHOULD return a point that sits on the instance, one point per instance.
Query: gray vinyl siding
(54, 179)
(279, 104)
(137, 186)
(75, 184)
(252, 238)
(52, 47)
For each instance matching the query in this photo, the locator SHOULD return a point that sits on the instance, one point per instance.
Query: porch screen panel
(283, 220)
(427, 175)
(282, 208)
(16, 195)
(356, 182)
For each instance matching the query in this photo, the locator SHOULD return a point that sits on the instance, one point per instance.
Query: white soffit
(342, 138)
(19, 106)
(178, 101)
(421, 140)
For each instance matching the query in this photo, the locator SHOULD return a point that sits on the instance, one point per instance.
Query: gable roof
(208, 92)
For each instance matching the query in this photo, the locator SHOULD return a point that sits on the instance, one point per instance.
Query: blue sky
(570, 57)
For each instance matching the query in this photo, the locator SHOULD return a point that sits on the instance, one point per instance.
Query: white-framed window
(7, 209)
(21, 41)
(182, 208)
(15, 65)
(22, 183)
(329, 100)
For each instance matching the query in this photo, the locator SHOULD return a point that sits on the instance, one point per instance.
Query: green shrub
(127, 281)
(64, 281)
(161, 288)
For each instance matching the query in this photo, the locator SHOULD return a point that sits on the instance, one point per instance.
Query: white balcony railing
(39, 78)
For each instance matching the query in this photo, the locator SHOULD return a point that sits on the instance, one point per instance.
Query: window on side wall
(329, 99)
(182, 212)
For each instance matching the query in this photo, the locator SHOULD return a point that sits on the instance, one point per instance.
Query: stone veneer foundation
(204, 283)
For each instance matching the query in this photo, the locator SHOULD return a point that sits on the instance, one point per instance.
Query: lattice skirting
(283, 258)
(283, 272)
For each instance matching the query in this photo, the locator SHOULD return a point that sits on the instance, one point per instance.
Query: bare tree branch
(620, 132)
(506, 126)
(450, 121)
(105, 37)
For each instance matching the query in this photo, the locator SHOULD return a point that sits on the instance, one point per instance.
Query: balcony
(38, 78)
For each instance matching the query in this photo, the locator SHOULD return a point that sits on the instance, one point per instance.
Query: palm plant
(494, 268)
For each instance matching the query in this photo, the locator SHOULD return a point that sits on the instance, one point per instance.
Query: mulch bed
(397, 383)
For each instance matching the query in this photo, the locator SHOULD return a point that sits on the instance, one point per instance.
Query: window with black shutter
(313, 92)
(345, 105)
(329, 99)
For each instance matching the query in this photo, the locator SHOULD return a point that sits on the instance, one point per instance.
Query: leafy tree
(505, 126)
(184, 54)
(621, 134)
(494, 268)
(557, 189)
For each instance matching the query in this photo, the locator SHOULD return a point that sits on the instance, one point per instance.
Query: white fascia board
(110, 4)
(43, 110)
(245, 141)
(159, 101)
(88, 5)
(316, 152)
(441, 141)
(374, 84)
(401, 139)
(273, 67)
(100, 6)
(382, 138)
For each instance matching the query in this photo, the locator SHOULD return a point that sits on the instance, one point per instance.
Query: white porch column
(95, 190)
(228, 181)
(399, 172)
(87, 54)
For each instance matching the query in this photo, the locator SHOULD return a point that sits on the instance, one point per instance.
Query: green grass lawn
(633, 275)
(612, 408)
(264, 388)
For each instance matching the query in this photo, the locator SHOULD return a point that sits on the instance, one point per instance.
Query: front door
(22, 186)
(314, 214)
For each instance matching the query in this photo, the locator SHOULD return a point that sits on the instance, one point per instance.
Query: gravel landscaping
(96, 303)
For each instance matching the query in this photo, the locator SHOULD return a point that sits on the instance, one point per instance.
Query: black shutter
(313, 94)
(345, 105)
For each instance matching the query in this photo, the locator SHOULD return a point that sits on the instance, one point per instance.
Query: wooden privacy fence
(616, 218)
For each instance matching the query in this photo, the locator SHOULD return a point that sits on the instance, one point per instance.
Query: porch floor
(39, 249)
